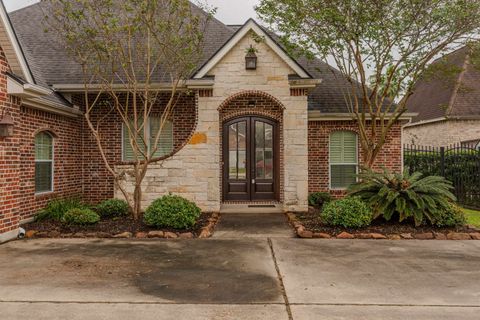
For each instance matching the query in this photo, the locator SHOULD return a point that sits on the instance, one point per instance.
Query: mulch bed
(120, 227)
(309, 225)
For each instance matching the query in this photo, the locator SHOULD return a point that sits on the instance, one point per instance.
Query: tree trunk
(137, 201)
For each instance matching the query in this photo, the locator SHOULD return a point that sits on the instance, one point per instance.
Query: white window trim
(340, 164)
(52, 174)
(149, 140)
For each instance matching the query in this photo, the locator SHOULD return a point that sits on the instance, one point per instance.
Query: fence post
(442, 161)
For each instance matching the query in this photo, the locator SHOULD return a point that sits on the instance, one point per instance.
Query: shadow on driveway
(222, 272)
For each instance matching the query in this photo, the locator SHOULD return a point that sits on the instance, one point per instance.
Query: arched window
(343, 159)
(43, 162)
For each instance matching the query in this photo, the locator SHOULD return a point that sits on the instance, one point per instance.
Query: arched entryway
(251, 127)
(251, 159)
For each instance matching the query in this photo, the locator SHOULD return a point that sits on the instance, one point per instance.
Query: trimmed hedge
(172, 212)
(80, 217)
(349, 212)
(112, 208)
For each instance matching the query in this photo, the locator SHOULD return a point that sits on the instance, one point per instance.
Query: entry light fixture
(251, 58)
(6, 125)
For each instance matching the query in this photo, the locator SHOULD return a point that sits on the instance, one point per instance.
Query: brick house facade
(287, 110)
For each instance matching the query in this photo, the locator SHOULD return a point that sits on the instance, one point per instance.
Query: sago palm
(408, 195)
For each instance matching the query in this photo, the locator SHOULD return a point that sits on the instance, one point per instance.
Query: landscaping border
(303, 233)
(205, 232)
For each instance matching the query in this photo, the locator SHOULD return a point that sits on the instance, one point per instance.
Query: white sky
(228, 11)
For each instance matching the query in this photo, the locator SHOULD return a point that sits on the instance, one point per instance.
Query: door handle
(253, 181)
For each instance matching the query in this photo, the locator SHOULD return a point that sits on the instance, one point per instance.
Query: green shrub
(350, 212)
(112, 208)
(318, 199)
(405, 195)
(172, 212)
(56, 209)
(451, 216)
(80, 217)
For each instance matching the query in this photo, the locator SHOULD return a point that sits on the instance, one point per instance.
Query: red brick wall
(9, 158)
(67, 158)
(17, 158)
(98, 183)
(318, 152)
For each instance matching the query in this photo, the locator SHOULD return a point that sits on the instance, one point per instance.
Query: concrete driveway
(257, 278)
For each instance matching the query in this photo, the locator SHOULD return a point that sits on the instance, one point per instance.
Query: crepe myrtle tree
(128, 51)
(381, 47)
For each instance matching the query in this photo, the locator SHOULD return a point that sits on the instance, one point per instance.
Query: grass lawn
(473, 217)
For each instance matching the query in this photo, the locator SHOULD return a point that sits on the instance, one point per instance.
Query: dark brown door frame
(246, 188)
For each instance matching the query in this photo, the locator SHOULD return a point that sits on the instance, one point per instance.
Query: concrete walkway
(253, 278)
(253, 225)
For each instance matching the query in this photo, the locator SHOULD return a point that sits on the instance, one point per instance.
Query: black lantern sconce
(6, 125)
(251, 59)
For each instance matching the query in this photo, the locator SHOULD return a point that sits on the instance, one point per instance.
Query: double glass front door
(250, 147)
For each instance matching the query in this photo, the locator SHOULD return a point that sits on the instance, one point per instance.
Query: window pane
(43, 146)
(165, 143)
(128, 154)
(242, 150)
(342, 176)
(343, 147)
(233, 150)
(260, 150)
(349, 147)
(43, 177)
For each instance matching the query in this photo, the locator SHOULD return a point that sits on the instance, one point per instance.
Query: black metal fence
(457, 163)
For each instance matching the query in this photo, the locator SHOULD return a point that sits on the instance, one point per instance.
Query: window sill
(45, 194)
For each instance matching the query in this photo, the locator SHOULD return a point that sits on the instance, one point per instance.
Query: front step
(252, 208)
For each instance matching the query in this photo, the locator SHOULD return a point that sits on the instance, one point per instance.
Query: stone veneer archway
(253, 103)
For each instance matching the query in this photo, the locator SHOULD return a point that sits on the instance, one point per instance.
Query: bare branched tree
(132, 53)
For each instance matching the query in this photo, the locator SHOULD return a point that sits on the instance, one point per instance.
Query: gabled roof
(51, 64)
(239, 34)
(457, 95)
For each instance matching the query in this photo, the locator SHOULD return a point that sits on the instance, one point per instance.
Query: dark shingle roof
(453, 95)
(51, 64)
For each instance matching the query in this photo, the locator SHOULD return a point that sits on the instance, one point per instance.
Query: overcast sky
(229, 11)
